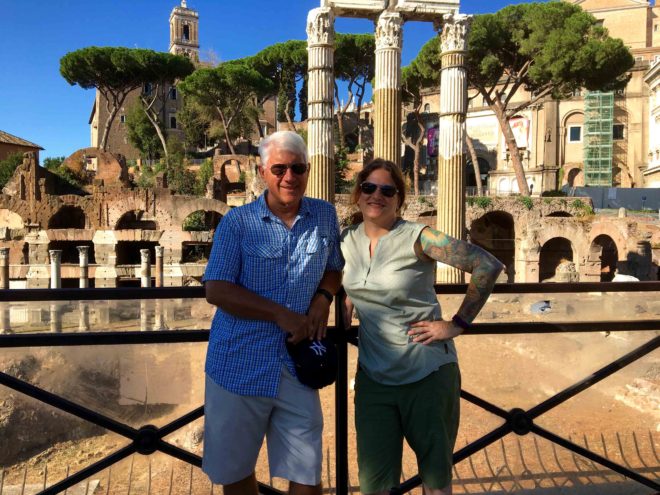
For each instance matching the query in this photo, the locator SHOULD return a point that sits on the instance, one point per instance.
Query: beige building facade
(550, 134)
(652, 172)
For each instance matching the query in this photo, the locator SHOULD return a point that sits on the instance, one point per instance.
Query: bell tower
(184, 32)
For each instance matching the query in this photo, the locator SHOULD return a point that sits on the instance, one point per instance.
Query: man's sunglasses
(386, 190)
(280, 169)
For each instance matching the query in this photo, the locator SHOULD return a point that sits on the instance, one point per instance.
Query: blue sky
(37, 104)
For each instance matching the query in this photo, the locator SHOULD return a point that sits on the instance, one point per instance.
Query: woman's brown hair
(395, 173)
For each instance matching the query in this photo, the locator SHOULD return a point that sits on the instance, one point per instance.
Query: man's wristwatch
(325, 293)
(461, 322)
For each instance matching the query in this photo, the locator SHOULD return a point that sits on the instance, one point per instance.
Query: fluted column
(320, 108)
(160, 250)
(451, 158)
(387, 91)
(55, 268)
(83, 256)
(4, 268)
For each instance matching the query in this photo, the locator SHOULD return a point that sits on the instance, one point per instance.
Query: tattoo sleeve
(483, 266)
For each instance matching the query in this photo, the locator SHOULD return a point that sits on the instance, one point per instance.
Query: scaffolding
(598, 119)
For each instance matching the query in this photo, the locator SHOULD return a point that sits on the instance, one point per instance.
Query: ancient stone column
(55, 268)
(55, 317)
(144, 315)
(320, 106)
(4, 268)
(83, 316)
(159, 320)
(83, 255)
(451, 160)
(387, 90)
(5, 319)
(159, 265)
(145, 268)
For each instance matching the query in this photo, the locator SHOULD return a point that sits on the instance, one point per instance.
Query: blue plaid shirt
(253, 248)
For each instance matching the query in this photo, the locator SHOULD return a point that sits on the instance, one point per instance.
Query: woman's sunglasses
(386, 190)
(280, 169)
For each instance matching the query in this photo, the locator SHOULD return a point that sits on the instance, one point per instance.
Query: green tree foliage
(51, 163)
(230, 91)
(161, 71)
(203, 176)
(286, 65)
(8, 166)
(114, 71)
(56, 166)
(196, 121)
(141, 132)
(355, 65)
(546, 49)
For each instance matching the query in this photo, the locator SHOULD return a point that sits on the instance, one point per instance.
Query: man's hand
(317, 317)
(425, 332)
(294, 324)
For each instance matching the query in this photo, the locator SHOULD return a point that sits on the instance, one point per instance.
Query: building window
(617, 131)
(575, 134)
(172, 93)
(172, 121)
(186, 32)
(122, 119)
(427, 108)
(147, 88)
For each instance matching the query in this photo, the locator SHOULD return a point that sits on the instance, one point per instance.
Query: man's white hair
(284, 140)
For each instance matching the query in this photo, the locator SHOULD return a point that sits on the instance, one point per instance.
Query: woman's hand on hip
(425, 332)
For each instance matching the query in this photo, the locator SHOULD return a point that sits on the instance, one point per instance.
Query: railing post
(341, 398)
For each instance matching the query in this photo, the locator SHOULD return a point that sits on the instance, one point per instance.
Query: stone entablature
(411, 10)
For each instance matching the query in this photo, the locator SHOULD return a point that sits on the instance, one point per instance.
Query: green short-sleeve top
(390, 290)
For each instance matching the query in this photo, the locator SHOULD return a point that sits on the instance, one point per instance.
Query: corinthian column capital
(389, 32)
(455, 30)
(320, 27)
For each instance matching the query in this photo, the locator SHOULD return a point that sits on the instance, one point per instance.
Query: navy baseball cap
(315, 362)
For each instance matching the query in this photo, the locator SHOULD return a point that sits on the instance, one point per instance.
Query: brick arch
(69, 217)
(574, 232)
(189, 206)
(613, 231)
(551, 253)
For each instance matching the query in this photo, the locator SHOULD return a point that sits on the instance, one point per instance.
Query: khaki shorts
(425, 413)
(235, 426)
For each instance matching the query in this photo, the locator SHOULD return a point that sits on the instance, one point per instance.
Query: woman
(408, 382)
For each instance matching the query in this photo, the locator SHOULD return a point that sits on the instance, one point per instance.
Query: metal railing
(149, 439)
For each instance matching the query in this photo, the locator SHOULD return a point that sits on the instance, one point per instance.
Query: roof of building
(7, 138)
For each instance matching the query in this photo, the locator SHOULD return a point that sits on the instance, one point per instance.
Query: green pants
(425, 413)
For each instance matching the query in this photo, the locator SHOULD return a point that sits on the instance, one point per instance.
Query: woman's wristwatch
(461, 322)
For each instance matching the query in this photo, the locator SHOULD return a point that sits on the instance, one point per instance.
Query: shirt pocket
(264, 268)
(317, 246)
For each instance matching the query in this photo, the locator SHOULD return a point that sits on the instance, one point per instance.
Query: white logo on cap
(318, 348)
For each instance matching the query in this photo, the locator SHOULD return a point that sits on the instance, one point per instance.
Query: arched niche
(201, 220)
(495, 232)
(136, 220)
(553, 252)
(69, 217)
(604, 248)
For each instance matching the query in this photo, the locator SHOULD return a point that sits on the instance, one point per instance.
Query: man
(274, 267)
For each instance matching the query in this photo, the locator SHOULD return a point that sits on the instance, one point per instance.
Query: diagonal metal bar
(484, 404)
(179, 453)
(90, 470)
(592, 456)
(181, 422)
(594, 378)
(67, 406)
